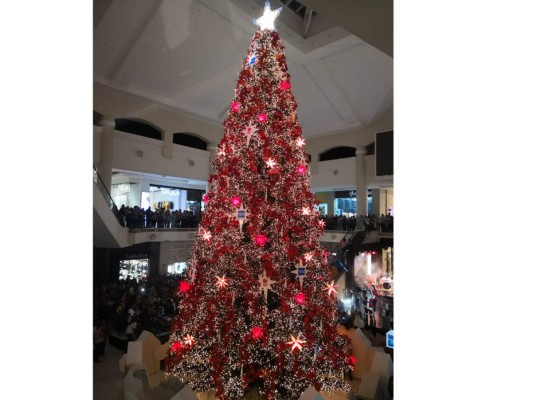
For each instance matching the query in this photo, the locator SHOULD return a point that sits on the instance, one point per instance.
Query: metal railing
(141, 222)
(107, 196)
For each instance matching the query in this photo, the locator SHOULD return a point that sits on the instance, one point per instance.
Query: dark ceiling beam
(369, 20)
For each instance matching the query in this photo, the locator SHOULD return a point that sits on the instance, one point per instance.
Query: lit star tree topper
(267, 19)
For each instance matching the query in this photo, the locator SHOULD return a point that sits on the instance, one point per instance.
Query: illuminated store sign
(172, 192)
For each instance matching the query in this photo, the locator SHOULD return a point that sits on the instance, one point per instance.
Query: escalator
(107, 230)
(342, 260)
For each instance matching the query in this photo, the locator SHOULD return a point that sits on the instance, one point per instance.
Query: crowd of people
(139, 218)
(125, 308)
(160, 218)
(384, 223)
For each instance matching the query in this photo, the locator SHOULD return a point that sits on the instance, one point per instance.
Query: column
(331, 203)
(106, 151)
(167, 144)
(376, 201)
(360, 181)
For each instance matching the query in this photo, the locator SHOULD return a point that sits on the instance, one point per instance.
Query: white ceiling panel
(187, 54)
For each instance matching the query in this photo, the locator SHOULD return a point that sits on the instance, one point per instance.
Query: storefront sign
(345, 194)
(135, 256)
(170, 192)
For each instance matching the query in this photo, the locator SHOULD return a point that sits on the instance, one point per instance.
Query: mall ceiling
(186, 55)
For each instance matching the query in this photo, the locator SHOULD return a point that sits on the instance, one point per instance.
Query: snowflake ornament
(296, 343)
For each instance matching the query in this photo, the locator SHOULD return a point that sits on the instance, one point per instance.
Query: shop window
(133, 269)
(177, 268)
(322, 209)
(348, 206)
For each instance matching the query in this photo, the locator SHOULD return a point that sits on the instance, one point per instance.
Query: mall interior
(164, 75)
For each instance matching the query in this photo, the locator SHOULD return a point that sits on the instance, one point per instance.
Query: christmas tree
(259, 306)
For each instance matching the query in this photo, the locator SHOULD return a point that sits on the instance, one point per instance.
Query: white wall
(353, 138)
(171, 252)
(152, 161)
(114, 103)
(325, 176)
(324, 179)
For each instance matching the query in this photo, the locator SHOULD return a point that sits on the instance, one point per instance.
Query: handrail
(105, 192)
(184, 223)
(348, 236)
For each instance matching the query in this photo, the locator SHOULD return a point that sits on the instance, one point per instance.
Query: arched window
(337, 152)
(189, 140)
(137, 128)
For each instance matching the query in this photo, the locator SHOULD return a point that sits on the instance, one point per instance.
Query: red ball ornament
(262, 117)
(301, 169)
(350, 360)
(184, 286)
(299, 298)
(257, 333)
(235, 106)
(176, 346)
(236, 201)
(284, 85)
(326, 253)
(260, 240)
(205, 198)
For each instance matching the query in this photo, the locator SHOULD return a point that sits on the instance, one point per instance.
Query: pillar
(376, 201)
(360, 181)
(105, 168)
(167, 144)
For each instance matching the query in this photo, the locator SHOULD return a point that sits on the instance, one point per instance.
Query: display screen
(384, 153)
